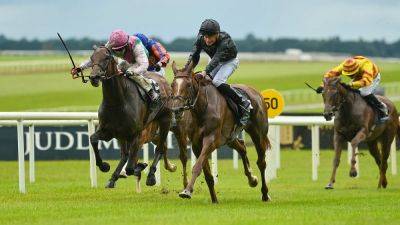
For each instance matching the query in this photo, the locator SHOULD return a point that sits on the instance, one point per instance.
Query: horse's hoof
(139, 168)
(104, 167)
(151, 180)
(129, 171)
(185, 194)
(110, 184)
(353, 173)
(253, 182)
(329, 186)
(171, 168)
(384, 184)
(266, 198)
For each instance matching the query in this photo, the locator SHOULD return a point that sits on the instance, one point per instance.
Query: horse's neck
(347, 109)
(113, 91)
(201, 104)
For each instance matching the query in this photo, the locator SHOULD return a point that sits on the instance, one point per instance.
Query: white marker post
(92, 167)
(158, 172)
(146, 156)
(214, 165)
(315, 151)
(393, 157)
(21, 158)
(31, 150)
(192, 157)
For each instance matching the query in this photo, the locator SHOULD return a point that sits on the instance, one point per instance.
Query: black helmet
(209, 27)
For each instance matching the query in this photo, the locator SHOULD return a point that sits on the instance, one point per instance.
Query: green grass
(62, 195)
(56, 91)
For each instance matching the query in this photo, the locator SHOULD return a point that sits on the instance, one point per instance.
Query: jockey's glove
(351, 84)
(128, 73)
(319, 89)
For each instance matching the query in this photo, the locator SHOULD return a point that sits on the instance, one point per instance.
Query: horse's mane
(347, 87)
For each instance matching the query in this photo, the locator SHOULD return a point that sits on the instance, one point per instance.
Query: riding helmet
(209, 27)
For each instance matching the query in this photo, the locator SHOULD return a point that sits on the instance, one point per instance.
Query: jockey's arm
(216, 59)
(141, 61)
(367, 76)
(195, 55)
(86, 64)
(334, 72)
(160, 53)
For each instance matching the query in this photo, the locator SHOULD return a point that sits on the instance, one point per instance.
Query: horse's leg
(133, 147)
(373, 149)
(161, 149)
(338, 142)
(360, 136)
(122, 161)
(260, 141)
(207, 148)
(240, 147)
(386, 143)
(182, 142)
(94, 141)
(210, 181)
(164, 124)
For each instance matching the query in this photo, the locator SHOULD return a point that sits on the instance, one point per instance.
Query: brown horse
(355, 121)
(213, 125)
(124, 114)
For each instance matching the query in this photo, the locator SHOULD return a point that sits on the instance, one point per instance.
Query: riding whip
(72, 61)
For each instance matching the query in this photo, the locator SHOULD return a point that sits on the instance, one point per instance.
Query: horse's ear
(95, 47)
(174, 69)
(189, 67)
(337, 81)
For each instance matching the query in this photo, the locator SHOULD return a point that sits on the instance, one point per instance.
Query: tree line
(251, 43)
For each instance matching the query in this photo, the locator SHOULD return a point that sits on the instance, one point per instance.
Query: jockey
(132, 60)
(365, 77)
(223, 53)
(158, 55)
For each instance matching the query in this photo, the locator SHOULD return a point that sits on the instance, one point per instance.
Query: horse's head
(332, 95)
(184, 90)
(104, 65)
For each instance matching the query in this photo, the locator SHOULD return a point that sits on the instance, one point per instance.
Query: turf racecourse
(35, 90)
(61, 195)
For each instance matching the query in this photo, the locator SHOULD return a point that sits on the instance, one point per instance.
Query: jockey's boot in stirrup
(243, 106)
(151, 89)
(379, 106)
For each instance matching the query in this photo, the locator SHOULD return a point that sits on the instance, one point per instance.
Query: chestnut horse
(355, 121)
(213, 125)
(123, 115)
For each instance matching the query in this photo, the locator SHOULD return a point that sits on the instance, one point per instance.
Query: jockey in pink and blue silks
(132, 60)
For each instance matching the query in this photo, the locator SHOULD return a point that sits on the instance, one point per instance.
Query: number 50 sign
(273, 101)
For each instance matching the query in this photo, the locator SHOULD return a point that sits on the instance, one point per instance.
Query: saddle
(244, 118)
(154, 107)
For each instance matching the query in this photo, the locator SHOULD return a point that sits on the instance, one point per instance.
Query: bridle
(338, 102)
(103, 68)
(189, 101)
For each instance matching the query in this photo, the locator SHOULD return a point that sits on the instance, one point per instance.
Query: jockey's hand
(76, 70)
(319, 89)
(120, 72)
(203, 74)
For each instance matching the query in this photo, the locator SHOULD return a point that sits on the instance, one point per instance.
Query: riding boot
(149, 87)
(380, 107)
(243, 106)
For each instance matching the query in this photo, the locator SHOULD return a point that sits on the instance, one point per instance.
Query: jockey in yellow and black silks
(365, 77)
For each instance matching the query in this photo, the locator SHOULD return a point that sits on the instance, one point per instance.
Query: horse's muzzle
(328, 116)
